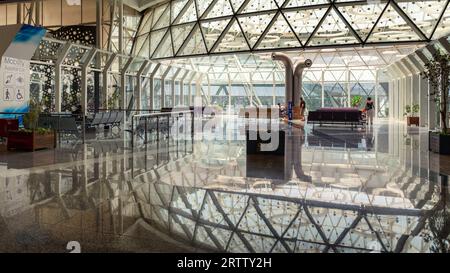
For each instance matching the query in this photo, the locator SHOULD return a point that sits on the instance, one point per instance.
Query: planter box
(8, 125)
(30, 141)
(413, 120)
(439, 143)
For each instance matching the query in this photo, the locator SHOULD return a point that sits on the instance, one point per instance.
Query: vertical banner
(15, 85)
(16, 52)
(290, 110)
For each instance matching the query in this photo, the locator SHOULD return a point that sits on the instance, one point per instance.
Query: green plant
(30, 119)
(356, 101)
(411, 110)
(40, 130)
(415, 109)
(437, 72)
(407, 110)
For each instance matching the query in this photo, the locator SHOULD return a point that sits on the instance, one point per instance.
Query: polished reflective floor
(333, 189)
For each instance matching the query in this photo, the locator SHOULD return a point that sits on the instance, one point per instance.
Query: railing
(161, 122)
(15, 115)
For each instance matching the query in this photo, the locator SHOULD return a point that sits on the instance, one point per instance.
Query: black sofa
(345, 116)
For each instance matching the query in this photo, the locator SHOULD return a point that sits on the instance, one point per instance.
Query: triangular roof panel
(392, 28)
(332, 31)
(304, 22)
(212, 30)
(362, 17)
(254, 25)
(279, 35)
(233, 40)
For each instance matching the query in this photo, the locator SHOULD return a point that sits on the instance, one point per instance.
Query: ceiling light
(369, 57)
(330, 35)
(328, 50)
(265, 56)
(270, 39)
(73, 2)
(233, 45)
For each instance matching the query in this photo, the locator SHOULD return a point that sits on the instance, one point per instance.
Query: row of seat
(62, 124)
(113, 118)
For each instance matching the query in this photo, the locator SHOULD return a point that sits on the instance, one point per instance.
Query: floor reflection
(341, 191)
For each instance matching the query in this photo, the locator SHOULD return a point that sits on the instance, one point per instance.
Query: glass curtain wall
(157, 94)
(321, 88)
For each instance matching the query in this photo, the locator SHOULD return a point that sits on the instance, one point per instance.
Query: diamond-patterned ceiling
(181, 28)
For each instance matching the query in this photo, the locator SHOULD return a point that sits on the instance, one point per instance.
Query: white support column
(198, 85)
(123, 84)
(251, 88)
(229, 94)
(323, 88)
(105, 77)
(401, 97)
(163, 87)
(208, 96)
(84, 73)
(395, 100)
(191, 103)
(274, 86)
(347, 84)
(151, 96)
(377, 86)
(99, 26)
(182, 81)
(139, 84)
(391, 99)
(415, 89)
(432, 109)
(84, 89)
(175, 75)
(408, 93)
(152, 86)
(58, 76)
(120, 2)
(423, 101)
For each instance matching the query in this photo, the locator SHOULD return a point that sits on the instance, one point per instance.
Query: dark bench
(113, 118)
(346, 116)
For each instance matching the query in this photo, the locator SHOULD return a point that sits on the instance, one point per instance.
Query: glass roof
(180, 28)
(261, 66)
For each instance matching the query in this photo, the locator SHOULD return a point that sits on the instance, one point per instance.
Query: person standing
(369, 111)
(302, 108)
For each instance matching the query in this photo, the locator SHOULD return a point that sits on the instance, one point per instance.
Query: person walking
(302, 108)
(369, 111)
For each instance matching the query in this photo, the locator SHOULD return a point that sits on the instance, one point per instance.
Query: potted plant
(437, 72)
(31, 137)
(356, 101)
(410, 113)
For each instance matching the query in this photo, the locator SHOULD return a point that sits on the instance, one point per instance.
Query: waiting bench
(113, 118)
(346, 116)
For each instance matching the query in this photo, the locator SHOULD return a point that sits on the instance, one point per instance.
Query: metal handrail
(162, 113)
(148, 116)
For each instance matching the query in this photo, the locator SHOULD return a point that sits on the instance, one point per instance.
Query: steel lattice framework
(181, 28)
